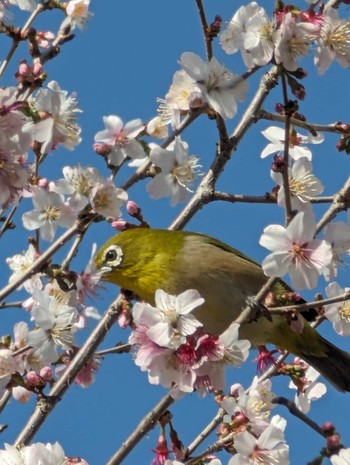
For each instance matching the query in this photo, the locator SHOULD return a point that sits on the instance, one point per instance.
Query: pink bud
(33, 378)
(133, 209)
(328, 427)
(43, 182)
(102, 149)
(119, 225)
(333, 441)
(46, 373)
(37, 69)
(24, 69)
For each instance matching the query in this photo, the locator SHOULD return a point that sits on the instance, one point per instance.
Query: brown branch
(145, 425)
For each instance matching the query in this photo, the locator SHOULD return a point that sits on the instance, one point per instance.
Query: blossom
(8, 366)
(77, 10)
(309, 389)
(292, 41)
(54, 322)
(177, 99)
(259, 38)
(178, 171)
(333, 42)
(77, 183)
(170, 321)
(338, 235)
(219, 86)
(58, 114)
(254, 406)
(45, 454)
(50, 211)
(14, 175)
(302, 184)
(339, 312)
(19, 263)
(27, 5)
(119, 140)
(232, 38)
(341, 458)
(297, 141)
(196, 361)
(295, 251)
(269, 447)
(106, 199)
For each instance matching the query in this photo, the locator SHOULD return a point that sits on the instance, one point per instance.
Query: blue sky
(122, 62)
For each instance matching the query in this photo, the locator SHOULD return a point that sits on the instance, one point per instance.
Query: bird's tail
(334, 365)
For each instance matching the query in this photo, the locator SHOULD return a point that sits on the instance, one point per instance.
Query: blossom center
(344, 311)
(121, 139)
(51, 213)
(266, 31)
(184, 173)
(262, 457)
(339, 38)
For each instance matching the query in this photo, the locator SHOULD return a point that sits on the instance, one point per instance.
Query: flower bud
(33, 378)
(133, 209)
(46, 373)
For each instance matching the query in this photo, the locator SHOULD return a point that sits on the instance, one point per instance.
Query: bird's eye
(114, 255)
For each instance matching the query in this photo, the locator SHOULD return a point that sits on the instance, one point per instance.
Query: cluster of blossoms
(45, 454)
(175, 168)
(288, 36)
(173, 349)
(58, 312)
(83, 187)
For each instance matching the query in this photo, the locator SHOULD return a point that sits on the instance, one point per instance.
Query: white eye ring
(114, 256)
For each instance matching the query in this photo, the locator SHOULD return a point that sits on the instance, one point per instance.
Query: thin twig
(207, 38)
(242, 198)
(293, 409)
(119, 349)
(4, 400)
(145, 425)
(206, 432)
(341, 202)
(313, 128)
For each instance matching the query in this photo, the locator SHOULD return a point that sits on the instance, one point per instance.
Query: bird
(143, 260)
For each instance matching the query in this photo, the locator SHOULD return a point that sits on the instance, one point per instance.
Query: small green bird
(143, 260)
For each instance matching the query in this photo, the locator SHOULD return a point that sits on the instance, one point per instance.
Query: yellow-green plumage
(176, 261)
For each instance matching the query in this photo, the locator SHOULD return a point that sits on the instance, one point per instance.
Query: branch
(145, 425)
(293, 409)
(341, 202)
(207, 38)
(313, 128)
